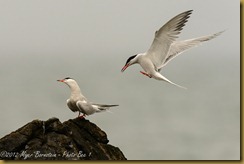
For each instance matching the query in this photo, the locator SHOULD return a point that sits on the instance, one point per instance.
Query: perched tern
(78, 102)
(165, 47)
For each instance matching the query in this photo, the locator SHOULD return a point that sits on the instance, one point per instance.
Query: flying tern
(164, 48)
(78, 102)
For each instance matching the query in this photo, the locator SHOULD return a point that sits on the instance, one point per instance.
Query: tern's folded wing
(85, 107)
(104, 105)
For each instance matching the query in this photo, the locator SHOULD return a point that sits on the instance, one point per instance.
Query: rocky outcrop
(75, 139)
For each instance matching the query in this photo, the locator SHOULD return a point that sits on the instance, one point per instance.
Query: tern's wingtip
(185, 88)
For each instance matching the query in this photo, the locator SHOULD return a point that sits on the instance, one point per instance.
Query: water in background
(90, 41)
(155, 120)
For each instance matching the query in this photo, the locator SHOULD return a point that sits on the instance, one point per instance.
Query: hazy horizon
(90, 41)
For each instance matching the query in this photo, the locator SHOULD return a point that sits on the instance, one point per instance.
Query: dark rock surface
(75, 139)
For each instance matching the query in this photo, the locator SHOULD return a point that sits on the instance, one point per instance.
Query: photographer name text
(38, 154)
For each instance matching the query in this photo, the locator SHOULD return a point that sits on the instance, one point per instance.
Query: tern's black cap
(67, 78)
(130, 58)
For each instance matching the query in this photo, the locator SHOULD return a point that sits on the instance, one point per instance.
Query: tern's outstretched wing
(178, 47)
(165, 36)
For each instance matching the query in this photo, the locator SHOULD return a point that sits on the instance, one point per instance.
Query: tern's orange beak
(124, 68)
(60, 80)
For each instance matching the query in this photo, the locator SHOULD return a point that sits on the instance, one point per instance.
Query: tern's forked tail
(103, 107)
(158, 76)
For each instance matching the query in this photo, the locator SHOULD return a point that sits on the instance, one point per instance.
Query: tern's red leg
(81, 116)
(144, 73)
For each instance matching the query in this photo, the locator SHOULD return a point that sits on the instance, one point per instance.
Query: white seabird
(165, 47)
(78, 102)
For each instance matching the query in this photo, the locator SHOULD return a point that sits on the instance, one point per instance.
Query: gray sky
(42, 41)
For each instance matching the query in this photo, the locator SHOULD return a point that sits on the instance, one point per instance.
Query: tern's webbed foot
(144, 73)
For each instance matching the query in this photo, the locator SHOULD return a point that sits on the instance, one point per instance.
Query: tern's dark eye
(130, 58)
(67, 78)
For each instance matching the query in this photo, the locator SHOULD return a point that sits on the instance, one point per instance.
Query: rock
(75, 139)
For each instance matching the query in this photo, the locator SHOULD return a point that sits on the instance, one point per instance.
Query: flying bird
(79, 103)
(164, 48)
